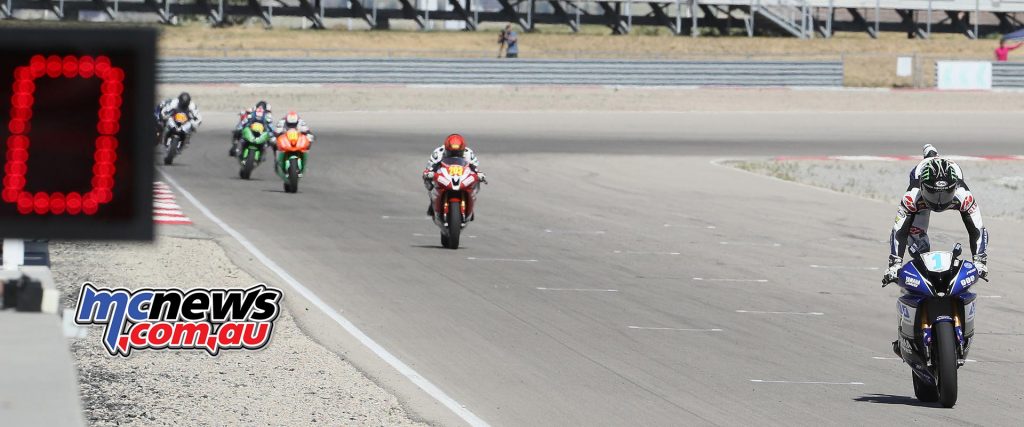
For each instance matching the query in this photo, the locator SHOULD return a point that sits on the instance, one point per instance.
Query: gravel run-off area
(293, 381)
(997, 185)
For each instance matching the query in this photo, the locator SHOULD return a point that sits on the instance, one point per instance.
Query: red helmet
(455, 144)
(292, 119)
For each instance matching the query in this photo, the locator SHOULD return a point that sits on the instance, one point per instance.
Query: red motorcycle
(454, 198)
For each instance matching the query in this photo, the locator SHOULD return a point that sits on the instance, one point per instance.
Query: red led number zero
(107, 126)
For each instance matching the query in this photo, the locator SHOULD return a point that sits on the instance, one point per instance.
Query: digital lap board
(78, 133)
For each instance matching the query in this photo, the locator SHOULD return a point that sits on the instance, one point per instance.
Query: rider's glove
(428, 180)
(892, 273)
(981, 262)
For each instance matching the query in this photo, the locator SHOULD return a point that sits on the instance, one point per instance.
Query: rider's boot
(896, 348)
(430, 210)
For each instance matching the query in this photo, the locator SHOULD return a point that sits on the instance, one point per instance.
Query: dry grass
(869, 62)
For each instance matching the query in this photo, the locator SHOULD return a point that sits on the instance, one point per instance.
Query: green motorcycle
(291, 158)
(254, 139)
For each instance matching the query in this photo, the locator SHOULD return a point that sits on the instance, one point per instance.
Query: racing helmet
(454, 145)
(261, 110)
(292, 119)
(939, 180)
(929, 151)
(184, 100)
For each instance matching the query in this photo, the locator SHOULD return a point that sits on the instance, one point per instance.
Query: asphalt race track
(614, 275)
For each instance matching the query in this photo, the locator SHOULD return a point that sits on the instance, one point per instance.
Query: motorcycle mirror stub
(78, 162)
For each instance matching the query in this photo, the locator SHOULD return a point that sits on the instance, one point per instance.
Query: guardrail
(494, 71)
(1008, 74)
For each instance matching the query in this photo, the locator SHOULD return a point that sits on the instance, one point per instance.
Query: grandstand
(796, 18)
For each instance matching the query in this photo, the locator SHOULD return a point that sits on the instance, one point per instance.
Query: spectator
(1003, 52)
(511, 39)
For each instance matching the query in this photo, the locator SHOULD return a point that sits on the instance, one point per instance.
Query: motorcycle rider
(289, 122)
(184, 104)
(260, 113)
(918, 231)
(454, 146)
(937, 184)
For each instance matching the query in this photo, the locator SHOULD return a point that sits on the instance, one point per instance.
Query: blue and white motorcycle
(936, 315)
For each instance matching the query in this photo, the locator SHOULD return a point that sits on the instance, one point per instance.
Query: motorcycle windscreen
(455, 161)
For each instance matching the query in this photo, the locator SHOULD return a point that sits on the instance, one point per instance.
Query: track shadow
(890, 399)
(433, 247)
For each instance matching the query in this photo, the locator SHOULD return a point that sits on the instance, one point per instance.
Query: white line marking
(811, 313)
(405, 218)
(774, 245)
(161, 205)
(418, 234)
(990, 296)
(597, 232)
(731, 280)
(648, 328)
(577, 289)
(500, 259)
(708, 227)
(171, 219)
(841, 267)
(896, 358)
(646, 253)
(351, 328)
(168, 212)
(805, 382)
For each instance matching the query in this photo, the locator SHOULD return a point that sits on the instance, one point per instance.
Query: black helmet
(184, 100)
(939, 181)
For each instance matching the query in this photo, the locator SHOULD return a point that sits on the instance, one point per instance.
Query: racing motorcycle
(454, 198)
(936, 321)
(292, 146)
(175, 133)
(254, 139)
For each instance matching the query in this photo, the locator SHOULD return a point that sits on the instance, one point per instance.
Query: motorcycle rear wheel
(946, 363)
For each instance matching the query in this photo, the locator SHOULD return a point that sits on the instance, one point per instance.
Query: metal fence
(493, 71)
(1008, 75)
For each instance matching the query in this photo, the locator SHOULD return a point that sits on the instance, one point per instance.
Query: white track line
(990, 296)
(810, 313)
(577, 289)
(349, 327)
(896, 358)
(645, 253)
(651, 328)
(597, 232)
(841, 267)
(774, 245)
(805, 382)
(708, 227)
(500, 259)
(405, 218)
(731, 280)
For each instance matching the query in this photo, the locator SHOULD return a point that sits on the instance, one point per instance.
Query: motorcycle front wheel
(454, 224)
(172, 150)
(945, 365)
(292, 185)
(247, 164)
